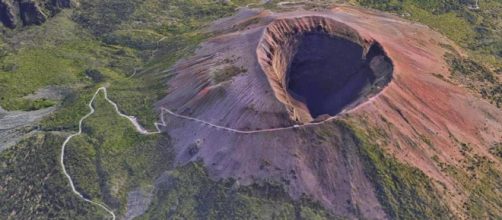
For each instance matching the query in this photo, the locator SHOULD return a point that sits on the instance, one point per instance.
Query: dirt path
(72, 185)
(157, 130)
(142, 130)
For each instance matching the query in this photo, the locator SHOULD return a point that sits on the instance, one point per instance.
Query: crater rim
(277, 48)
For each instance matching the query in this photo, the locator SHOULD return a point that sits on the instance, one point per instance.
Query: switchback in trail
(144, 131)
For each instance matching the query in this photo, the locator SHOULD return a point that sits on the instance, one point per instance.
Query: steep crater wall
(318, 67)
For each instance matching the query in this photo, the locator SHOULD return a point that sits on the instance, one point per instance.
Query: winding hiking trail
(62, 157)
(157, 125)
(132, 119)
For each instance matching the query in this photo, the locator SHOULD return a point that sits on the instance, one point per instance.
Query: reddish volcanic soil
(387, 83)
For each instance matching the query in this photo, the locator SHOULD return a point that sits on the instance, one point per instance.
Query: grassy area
(171, 29)
(477, 30)
(497, 150)
(449, 23)
(111, 158)
(32, 184)
(188, 193)
(56, 59)
(485, 198)
(102, 43)
(99, 44)
(477, 77)
(481, 182)
(405, 192)
(29, 69)
(226, 73)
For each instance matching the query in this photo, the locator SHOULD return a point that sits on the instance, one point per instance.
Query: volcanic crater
(319, 67)
(296, 67)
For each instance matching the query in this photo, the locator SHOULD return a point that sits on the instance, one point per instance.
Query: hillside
(250, 109)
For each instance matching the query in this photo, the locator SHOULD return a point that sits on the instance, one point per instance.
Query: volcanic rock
(7, 16)
(305, 74)
(63, 3)
(318, 66)
(31, 13)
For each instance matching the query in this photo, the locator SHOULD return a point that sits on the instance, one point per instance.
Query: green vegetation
(32, 183)
(404, 191)
(31, 105)
(188, 193)
(476, 30)
(103, 43)
(95, 75)
(485, 198)
(497, 150)
(477, 77)
(481, 181)
(29, 69)
(56, 59)
(226, 73)
(110, 157)
(407, 193)
(160, 32)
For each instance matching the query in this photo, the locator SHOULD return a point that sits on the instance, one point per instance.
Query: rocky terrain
(14, 125)
(317, 66)
(14, 13)
(250, 109)
(407, 108)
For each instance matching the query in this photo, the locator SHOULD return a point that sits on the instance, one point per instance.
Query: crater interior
(320, 67)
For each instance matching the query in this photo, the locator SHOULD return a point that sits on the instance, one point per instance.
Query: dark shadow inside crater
(330, 73)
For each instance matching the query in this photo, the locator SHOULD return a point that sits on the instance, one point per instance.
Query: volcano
(347, 107)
